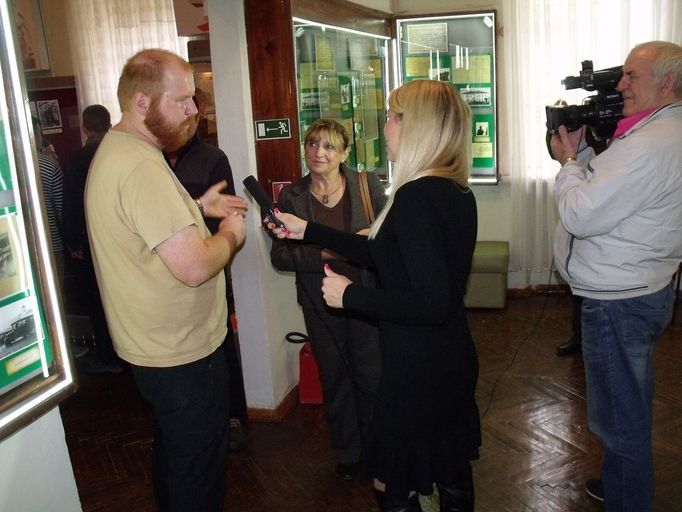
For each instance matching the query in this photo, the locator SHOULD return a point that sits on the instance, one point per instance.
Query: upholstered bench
(487, 285)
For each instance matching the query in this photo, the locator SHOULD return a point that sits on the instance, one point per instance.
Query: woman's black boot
(456, 498)
(391, 505)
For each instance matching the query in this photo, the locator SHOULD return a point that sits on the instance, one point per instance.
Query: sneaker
(595, 488)
(99, 366)
(237, 435)
(79, 350)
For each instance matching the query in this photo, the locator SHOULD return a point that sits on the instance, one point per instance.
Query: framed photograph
(28, 22)
(48, 114)
(476, 96)
(324, 54)
(36, 371)
(427, 37)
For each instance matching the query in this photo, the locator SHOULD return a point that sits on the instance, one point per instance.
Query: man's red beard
(170, 137)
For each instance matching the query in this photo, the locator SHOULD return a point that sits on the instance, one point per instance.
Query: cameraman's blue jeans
(618, 339)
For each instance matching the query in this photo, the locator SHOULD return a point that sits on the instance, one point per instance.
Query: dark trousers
(190, 408)
(576, 317)
(234, 368)
(87, 292)
(349, 360)
(100, 329)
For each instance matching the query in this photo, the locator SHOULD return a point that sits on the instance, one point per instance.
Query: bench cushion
(490, 257)
(487, 284)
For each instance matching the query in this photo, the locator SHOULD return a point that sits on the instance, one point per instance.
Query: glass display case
(343, 75)
(458, 49)
(35, 366)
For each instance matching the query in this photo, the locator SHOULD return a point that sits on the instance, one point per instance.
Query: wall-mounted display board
(343, 75)
(35, 369)
(458, 49)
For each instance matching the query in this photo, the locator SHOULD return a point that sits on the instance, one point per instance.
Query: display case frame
(36, 369)
(458, 48)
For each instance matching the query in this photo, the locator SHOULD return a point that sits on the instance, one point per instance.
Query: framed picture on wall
(28, 22)
(48, 114)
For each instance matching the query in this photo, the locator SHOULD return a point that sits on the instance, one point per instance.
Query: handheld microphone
(262, 199)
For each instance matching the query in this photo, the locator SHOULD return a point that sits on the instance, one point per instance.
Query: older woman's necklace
(324, 198)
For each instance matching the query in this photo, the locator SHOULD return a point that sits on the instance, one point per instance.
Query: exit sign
(273, 129)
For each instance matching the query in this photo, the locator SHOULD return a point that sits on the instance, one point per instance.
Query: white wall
(35, 469)
(264, 299)
(444, 6)
(379, 5)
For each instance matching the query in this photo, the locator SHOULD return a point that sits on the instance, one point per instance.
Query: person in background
(345, 344)
(574, 344)
(200, 165)
(426, 425)
(590, 146)
(47, 148)
(52, 181)
(96, 123)
(618, 245)
(161, 277)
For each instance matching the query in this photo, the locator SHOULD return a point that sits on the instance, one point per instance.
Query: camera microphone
(259, 195)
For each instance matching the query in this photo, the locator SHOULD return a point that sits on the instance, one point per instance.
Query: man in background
(52, 181)
(161, 277)
(199, 165)
(96, 123)
(618, 245)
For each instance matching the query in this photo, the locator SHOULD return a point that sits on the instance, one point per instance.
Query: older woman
(426, 423)
(345, 344)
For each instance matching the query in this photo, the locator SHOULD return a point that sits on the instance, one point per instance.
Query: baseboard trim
(279, 413)
(541, 289)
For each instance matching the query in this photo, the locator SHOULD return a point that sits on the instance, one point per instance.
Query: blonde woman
(426, 425)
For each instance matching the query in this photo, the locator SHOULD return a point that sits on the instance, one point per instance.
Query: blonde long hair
(435, 136)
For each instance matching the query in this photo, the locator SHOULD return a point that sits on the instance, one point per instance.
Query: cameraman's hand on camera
(565, 144)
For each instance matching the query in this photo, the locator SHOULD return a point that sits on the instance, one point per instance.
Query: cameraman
(618, 245)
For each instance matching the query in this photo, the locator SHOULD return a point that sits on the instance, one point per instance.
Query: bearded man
(160, 274)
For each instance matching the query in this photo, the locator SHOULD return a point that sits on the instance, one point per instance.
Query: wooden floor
(537, 451)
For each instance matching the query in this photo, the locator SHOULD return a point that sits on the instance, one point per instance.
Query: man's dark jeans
(191, 414)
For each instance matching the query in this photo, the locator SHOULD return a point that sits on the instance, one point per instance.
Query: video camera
(600, 112)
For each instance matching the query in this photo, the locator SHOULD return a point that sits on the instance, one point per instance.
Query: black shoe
(595, 488)
(347, 471)
(237, 435)
(572, 346)
(388, 505)
(456, 499)
(79, 350)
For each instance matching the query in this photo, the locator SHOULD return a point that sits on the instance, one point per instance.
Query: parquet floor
(536, 454)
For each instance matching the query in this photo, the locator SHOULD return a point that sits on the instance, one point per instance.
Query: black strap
(296, 337)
